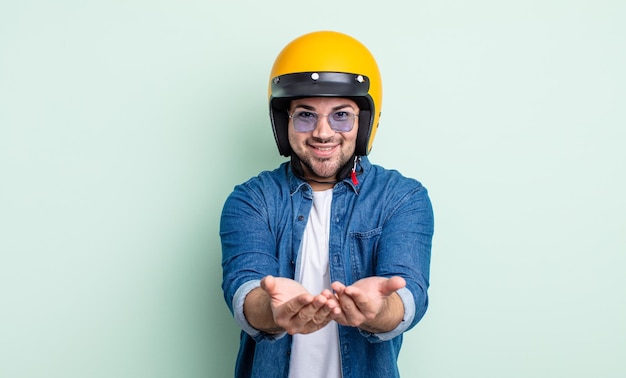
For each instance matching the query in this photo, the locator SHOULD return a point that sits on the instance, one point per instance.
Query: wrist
(390, 316)
(258, 312)
(272, 331)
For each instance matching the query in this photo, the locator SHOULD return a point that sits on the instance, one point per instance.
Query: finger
(320, 318)
(287, 315)
(338, 287)
(358, 296)
(392, 284)
(309, 317)
(328, 294)
(350, 312)
(332, 306)
(332, 302)
(322, 314)
(307, 312)
(341, 319)
(335, 313)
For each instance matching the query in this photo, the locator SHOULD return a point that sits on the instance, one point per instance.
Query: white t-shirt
(316, 354)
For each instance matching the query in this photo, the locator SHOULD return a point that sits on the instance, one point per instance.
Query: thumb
(268, 283)
(392, 284)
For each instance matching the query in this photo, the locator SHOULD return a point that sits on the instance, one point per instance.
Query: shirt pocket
(363, 247)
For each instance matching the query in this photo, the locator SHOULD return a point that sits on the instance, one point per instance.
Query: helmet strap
(348, 170)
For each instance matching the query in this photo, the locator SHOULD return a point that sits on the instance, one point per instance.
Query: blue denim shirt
(381, 226)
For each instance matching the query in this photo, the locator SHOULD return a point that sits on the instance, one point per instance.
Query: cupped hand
(366, 299)
(295, 309)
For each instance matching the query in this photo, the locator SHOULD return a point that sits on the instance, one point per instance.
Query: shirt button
(300, 217)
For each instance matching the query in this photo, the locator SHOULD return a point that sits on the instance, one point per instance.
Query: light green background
(124, 124)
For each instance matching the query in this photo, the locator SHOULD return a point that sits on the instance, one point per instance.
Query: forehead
(324, 102)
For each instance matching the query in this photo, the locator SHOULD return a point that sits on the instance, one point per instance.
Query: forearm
(258, 312)
(388, 318)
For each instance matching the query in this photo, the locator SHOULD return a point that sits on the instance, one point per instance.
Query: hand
(370, 303)
(297, 311)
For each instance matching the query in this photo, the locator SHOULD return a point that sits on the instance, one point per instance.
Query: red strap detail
(354, 179)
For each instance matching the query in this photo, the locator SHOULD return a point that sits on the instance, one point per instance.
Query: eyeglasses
(305, 121)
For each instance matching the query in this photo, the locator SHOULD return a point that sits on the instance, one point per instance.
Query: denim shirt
(380, 226)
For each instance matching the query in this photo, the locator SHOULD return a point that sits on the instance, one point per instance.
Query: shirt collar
(296, 183)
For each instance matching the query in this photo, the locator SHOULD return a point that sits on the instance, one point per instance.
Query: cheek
(350, 138)
(293, 137)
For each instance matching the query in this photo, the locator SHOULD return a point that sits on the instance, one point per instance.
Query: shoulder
(267, 187)
(267, 179)
(384, 179)
(392, 189)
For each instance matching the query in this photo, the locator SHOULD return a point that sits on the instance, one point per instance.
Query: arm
(263, 305)
(392, 297)
(404, 250)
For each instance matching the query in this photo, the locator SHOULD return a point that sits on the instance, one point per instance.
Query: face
(323, 151)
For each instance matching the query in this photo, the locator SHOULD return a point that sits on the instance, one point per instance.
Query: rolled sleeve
(238, 301)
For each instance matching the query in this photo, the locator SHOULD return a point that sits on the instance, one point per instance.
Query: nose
(323, 129)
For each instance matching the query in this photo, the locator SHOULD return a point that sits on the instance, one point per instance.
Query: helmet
(325, 64)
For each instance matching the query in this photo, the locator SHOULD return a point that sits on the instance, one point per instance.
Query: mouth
(323, 151)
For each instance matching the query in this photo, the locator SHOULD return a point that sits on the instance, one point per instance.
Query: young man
(325, 259)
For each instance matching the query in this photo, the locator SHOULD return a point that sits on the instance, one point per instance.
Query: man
(325, 259)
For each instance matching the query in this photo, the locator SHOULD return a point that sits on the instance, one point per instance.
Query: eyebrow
(334, 109)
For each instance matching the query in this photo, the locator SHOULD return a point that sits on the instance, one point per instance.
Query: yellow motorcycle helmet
(325, 64)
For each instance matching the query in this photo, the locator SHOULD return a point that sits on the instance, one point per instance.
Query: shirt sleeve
(240, 318)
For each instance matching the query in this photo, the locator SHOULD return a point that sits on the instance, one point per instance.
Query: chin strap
(349, 169)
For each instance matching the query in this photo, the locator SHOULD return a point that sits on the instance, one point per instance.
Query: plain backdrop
(124, 125)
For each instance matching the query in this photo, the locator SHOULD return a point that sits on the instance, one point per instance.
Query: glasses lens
(304, 121)
(341, 121)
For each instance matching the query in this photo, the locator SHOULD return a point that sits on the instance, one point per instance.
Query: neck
(318, 185)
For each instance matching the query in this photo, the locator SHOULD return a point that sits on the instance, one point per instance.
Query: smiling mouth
(323, 151)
